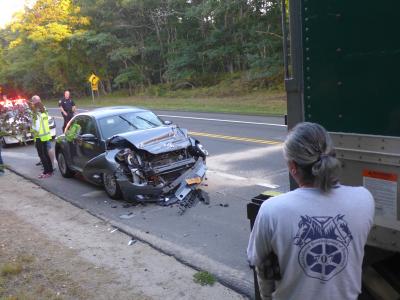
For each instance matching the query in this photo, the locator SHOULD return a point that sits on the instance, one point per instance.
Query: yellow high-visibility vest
(44, 130)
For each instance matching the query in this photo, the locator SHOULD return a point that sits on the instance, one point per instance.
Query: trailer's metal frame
(357, 152)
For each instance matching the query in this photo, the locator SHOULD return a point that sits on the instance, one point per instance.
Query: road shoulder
(74, 255)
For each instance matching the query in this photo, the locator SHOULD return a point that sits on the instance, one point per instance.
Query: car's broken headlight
(201, 149)
(132, 159)
(121, 155)
(128, 156)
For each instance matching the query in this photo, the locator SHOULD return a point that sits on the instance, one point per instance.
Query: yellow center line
(234, 138)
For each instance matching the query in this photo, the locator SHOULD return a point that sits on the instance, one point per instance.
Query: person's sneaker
(38, 164)
(47, 175)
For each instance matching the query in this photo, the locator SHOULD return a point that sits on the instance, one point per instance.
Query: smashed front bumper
(174, 191)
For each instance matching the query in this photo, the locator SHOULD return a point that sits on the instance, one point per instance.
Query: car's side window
(85, 124)
(89, 126)
(76, 121)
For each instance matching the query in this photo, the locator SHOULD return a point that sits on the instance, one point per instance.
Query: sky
(9, 7)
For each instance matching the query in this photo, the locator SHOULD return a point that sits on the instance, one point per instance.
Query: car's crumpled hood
(156, 140)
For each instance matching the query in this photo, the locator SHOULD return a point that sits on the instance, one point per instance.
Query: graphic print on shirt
(323, 243)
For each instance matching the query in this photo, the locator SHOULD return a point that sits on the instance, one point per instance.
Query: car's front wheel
(63, 166)
(111, 186)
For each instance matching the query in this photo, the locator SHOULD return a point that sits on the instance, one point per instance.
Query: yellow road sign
(94, 81)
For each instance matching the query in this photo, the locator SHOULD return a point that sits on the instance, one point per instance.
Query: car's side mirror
(88, 137)
(167, 122)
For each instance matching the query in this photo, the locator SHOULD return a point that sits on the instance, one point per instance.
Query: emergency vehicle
(16, 118)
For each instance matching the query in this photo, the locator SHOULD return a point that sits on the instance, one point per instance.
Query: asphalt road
(245, 159)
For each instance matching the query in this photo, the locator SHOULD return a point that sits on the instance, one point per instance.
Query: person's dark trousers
(44, 156)
(1, 161)
(37, 141)
(67, 118)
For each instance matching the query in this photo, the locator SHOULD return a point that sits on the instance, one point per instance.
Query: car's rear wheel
(63, 166)
(111, 186)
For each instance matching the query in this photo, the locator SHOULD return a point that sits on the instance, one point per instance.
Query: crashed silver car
(133, 154)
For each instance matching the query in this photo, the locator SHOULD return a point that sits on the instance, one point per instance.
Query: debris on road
(191, 199)
(131, 242)
(127, 216)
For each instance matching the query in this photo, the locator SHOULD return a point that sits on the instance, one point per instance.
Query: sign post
(94, 83)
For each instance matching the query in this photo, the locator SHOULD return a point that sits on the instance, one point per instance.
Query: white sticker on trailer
(383, 187)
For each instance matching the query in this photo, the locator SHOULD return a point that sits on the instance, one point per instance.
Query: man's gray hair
(35, 99)
(311, 148)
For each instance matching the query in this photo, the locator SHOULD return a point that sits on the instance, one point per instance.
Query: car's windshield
(121, 123)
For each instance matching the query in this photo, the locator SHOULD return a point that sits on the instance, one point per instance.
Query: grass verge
(11, 268)
(21, 277)
(255, 103)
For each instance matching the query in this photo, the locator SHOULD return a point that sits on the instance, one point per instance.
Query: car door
(73, 143)
(88, 142)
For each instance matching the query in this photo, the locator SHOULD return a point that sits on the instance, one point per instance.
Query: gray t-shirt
(319, 240)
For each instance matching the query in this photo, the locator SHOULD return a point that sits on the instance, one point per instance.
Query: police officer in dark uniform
(67, 107)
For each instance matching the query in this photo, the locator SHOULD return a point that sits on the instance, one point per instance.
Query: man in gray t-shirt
(319, 240)
(318, 231)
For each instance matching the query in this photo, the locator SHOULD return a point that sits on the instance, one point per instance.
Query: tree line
(131, 44)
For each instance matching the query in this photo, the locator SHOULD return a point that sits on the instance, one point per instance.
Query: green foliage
(10, 269)
(204, 278)
(135, 43)
(71, 134)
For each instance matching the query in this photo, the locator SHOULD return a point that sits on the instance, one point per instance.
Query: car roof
(102, 112)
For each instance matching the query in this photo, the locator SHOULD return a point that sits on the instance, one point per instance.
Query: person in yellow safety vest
(41, 132)
(49, 145)
(33, 132)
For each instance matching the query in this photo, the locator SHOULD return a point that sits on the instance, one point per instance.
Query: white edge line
(271, 186)
(205, 119)
(223, 120)
(240, 178)
(226, 175)
(56, 108)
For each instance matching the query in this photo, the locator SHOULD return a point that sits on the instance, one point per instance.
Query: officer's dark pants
(44, 156)
(67, 118)
(1, 161)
